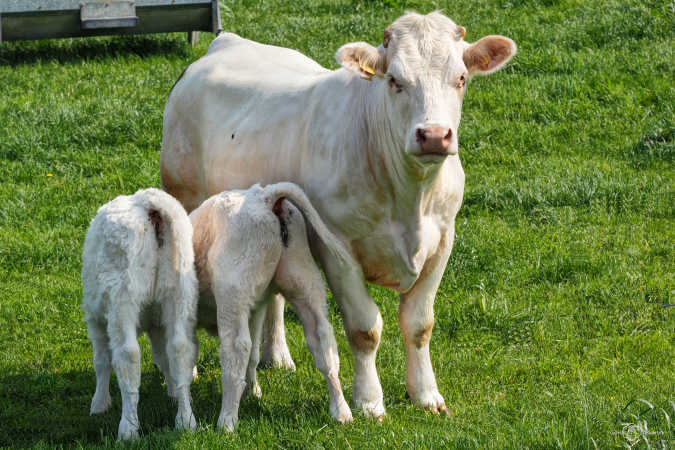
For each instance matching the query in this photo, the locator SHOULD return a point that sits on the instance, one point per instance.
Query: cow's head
(422, 67)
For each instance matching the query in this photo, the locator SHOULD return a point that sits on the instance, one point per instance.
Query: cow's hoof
(432, 401)
(100, 403)
(277, 356)
(227, 422)
(185, 420)
(127, 431)
(195, 374)
(374, 409)
(343, 414)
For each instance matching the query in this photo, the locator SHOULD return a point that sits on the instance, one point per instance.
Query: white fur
(131, 283)
(247, 113)
(242, 262)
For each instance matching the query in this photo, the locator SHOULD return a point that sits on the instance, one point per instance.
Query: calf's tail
(172, 227)
(285, 190)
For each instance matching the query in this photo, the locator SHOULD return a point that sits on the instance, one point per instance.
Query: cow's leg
(363, 325)
(102, 365)
(275, 350)
(256, 326)
(416, 319)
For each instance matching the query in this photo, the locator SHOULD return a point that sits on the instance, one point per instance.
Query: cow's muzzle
(435, 140)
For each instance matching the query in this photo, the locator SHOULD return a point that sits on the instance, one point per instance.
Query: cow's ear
(488, 54)
(362, 58)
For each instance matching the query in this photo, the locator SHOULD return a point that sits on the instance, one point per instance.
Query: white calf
(249, 245)
(138, 275)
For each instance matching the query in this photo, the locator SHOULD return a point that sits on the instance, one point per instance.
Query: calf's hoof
(100, 404)
(227, 422)
(186, 421)
(127, 430)
(255, 390)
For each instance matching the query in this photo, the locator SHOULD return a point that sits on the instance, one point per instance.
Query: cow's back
(223, 111)
(250, 56)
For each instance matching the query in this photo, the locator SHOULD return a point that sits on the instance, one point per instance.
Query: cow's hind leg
(102, 365)
(275, 351)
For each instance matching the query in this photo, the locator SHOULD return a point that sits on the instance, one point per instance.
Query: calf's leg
(275, 351)
(256, 328)
(300, 281)
(321, 343)
(126, 360)
(102, 365)
(158, 347)
(235, 351)
(182, 353)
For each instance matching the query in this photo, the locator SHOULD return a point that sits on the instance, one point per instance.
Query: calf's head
(421, 69)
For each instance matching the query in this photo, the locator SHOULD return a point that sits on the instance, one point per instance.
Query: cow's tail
(292, 192)
(172, 228)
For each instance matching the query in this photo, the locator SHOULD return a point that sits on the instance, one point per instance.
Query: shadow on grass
(53, 408)
(73, 50)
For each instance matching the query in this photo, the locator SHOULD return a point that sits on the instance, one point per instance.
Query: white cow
(138, 275)
(373, 144)
(248, 246)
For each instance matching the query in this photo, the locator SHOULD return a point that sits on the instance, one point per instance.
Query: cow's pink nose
(434, 139)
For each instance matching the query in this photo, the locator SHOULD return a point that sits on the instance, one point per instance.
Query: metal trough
(42, 19)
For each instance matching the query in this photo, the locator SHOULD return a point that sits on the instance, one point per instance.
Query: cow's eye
(462, 81)
(394, 84)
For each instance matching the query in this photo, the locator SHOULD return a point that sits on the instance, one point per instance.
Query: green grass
(551, 325)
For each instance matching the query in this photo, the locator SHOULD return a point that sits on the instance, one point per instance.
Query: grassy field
(552, 321)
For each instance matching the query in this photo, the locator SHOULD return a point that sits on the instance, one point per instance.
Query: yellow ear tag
(367, 69)
(485, 62)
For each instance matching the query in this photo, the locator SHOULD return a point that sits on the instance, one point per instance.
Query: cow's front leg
(416, 319)
(363, 325)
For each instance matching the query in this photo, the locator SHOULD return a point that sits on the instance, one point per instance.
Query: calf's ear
(488, 55)
(362, 58)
